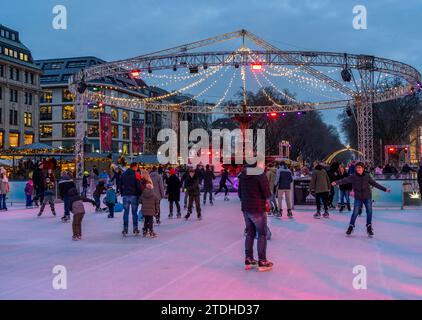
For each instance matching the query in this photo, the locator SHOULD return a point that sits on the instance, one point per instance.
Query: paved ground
(204, 259)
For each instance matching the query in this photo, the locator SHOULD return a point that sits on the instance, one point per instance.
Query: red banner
(137, 136)
(105, 132)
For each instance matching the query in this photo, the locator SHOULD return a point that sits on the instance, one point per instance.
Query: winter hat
(172, 171)
(109, 185)
(360, 164)
(86, 173)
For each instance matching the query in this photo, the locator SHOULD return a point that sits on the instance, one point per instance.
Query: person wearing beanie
(110, 200)
(173, 193)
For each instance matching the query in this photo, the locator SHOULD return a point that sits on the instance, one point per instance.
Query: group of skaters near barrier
(260, 195)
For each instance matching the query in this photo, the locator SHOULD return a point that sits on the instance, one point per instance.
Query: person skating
(173, 193)
(158, 183)
(65, 184)
(150, 208)
(344, 190)
(361, 184)
(76, 206)
(29, 190)
(4, 189)
(39, 184)
(85, 184)
(254, 191)
(283, 182)
(192, 187)
(419, 178)
(223, 184)
(99, 190)
(209, 178)
(272, 176)
(110, 200)
(183, 181)
(131, 191)
(49, 197)
(320, 186)
(333, 176)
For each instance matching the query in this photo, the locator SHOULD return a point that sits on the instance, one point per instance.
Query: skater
(254, 190)
(150, 208)
(271, 176)
(99, 190)
(39, 184)
(320, 186)
(333, 175)
(192, 187)
(173, 193)
(209, 178)
(29, 190)
(110, 200)
(85, 184)
(158, 183)
(131, 191)
(116, 177)
(65, 184)
(283, 182)
(49, 197)
(4, 189)
(185, 175)
(361, 182)
(344, 190)
(419, 176)
(223, 184)
(77, 207)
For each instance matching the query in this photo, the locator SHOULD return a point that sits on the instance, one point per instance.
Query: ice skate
(341, 208)
(39, 214)
(124, 233)
(265, 265)
(289, 214)
(199, 217)
(65, 219)
(348, 207)
(144, 233)
(349, 230)
(158, 221)
(250, 263)
(110, 216)
(317, 215)
(179, 216)
(278, 214)
(187, 217)
(152, 234)
(369, 230)
(170, 216)
(326, 215)
(226, 198)
(136, 232)
(75, 238)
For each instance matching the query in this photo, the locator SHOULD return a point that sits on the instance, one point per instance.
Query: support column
(364, 115)
(80, 135)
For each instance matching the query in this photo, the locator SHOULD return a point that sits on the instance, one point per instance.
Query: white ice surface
(204, 259)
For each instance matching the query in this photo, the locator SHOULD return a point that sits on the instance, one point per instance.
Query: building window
(67, 96)
(1, 70)
(1, 140)
(115, 131)
(13, 117)
(68, 113)
(14, 140)
(46, 131)
(68, 130)
(125, 116)
(148, 119)
(47, 96)
(13, 95)
(114, 114)
(46, 113)
(93, 112)
(27, 119)
(93, 130)
(158, 119)
(28, 98)
(28, 139)
(125, 148)
(125, 133)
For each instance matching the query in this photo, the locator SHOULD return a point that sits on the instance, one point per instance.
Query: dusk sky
(114, 30)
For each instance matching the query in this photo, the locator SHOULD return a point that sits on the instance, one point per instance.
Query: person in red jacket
(254, 191)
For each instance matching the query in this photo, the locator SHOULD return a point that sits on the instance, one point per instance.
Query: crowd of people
(141, 192)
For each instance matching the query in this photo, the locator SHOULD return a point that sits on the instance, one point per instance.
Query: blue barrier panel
(17, 192)
(394, 198)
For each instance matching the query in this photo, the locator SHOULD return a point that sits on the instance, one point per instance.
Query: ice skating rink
(204, 259)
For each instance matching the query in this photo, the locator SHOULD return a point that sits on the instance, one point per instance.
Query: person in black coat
(192, 187)
(39, 184)
(223, 184)
(254, 191)
(66, 184)
(173, 193)
(344, 189)
(185, 176)
(420, 178)
(209, 178)
(117, 177)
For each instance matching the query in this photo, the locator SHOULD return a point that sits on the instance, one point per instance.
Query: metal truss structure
(181, 57)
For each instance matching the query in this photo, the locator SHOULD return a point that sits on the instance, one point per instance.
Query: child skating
(76, 206)
(110, 200)
(150, 208)
(361, 184)
(49, 197)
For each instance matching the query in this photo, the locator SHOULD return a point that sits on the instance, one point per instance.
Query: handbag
(118, 207)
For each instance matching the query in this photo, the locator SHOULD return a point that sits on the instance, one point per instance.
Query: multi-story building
(57, 109)
(19, 91)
